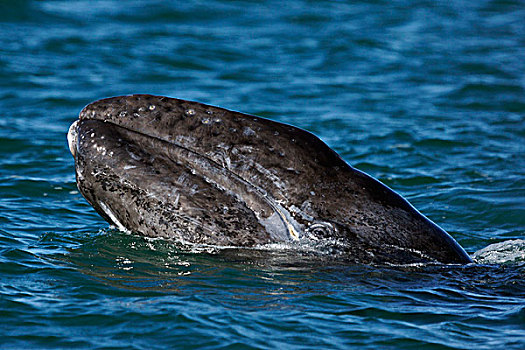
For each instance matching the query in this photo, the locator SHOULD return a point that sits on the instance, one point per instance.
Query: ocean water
(427, 96)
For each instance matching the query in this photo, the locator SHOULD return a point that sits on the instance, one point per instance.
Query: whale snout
(72, 137)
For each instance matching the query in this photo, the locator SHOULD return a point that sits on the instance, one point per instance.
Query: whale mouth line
(293, 228)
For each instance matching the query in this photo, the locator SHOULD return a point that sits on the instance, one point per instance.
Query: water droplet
(209, 112)
(190, 112)
(142, 109)
(92, 134)
(123, 114)
(217, 120)
(205, 120)
(276, 133)
(136, 115)
(151, 107)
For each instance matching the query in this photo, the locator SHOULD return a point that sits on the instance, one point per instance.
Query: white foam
(502, 252)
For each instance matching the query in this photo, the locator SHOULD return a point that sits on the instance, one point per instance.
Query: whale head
(199, 174)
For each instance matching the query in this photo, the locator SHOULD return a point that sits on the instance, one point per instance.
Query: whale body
(199, 174)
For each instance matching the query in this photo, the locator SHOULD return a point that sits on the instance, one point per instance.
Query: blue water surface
(427, 96)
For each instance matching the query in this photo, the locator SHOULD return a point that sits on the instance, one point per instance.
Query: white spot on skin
(127, 167)
(151, 107)
(247, 131)
(190, 112)
(182, 179)
(134, 156)
(112, 216)
(185, 140)
(80, 176)
(194, 189)
(100, 149)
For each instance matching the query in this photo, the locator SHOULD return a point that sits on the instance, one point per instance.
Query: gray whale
(199, 174)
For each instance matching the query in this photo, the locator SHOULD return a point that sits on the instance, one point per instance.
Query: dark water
(428, 96)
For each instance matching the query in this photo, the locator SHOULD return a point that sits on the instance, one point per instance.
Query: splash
(511, 251)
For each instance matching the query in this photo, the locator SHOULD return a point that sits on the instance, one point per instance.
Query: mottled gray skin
(182, 170)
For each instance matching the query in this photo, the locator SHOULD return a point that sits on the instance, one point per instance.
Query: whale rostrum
(199, 174)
